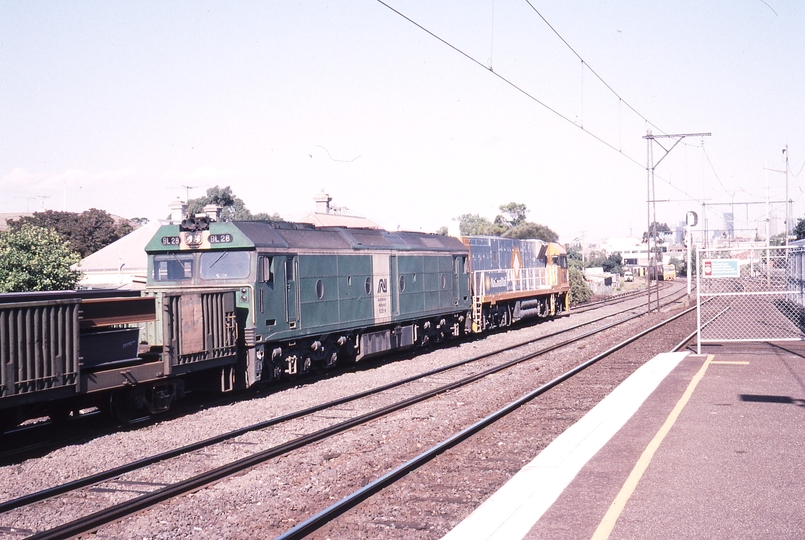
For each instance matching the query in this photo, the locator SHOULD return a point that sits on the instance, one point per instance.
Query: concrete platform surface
(709, 446)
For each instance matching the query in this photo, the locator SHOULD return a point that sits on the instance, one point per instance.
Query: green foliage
(86, 232)
(510, 224)
(36, 259)
(661, 230)
(515, 212)
(575, 259)
(682, 267)
(612, 264)
(531, 230)
(579, 290)
(232, 207)
(799, 229)
(473, 224)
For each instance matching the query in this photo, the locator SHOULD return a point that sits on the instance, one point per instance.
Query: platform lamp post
(651, 203)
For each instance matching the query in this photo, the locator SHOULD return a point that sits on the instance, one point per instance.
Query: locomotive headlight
(243, 295)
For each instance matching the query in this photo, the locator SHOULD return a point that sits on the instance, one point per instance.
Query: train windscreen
(225, 265)
(173, 267)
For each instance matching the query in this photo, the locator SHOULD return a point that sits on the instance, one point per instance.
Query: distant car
(628, 276)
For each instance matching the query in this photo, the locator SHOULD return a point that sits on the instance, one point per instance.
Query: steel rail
(121, 510)
(615, 299)
(61, 489)
(328, 514)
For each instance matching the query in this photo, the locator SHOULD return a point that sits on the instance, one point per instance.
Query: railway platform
(690, 446)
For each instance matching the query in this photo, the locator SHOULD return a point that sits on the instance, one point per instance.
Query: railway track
(37, 438)
(618, 298)
(118, 511)
(342, 506)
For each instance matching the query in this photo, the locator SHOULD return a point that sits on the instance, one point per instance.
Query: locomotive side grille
(38, 347)
(220, 325)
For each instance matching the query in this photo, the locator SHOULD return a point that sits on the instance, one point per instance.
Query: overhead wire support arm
(651, 200)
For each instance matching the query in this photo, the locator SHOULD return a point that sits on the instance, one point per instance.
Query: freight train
(231, 305)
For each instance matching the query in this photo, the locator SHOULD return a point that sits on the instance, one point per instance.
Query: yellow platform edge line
(616, 508)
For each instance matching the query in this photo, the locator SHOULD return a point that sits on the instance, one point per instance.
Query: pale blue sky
(116, 105)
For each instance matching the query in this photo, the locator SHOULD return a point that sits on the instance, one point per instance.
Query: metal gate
(750, 294)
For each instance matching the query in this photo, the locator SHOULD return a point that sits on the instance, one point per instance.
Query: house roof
(125, 255)
(13, 215)
(320, 219)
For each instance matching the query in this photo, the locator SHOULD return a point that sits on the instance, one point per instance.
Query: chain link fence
(750, 294)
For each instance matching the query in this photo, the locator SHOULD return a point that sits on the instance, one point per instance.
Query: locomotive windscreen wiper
(226, 252)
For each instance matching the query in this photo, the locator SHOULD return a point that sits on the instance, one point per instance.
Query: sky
(410, 113)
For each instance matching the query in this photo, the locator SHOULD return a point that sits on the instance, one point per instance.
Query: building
(326, 215)
(122, 264)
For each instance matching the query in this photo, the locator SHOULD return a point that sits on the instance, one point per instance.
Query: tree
(579, 290)
(510, 224)
(575, 259)
(473, 224)
(612, 264)
(36, 259)
(515, 212)
(799, 230)
(232, 207)
(527, 229)
(86, 232)
(661, 230)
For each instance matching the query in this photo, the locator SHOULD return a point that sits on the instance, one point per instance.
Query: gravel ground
(273, 497)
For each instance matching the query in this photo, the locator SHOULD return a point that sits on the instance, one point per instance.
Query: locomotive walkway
(690, 446)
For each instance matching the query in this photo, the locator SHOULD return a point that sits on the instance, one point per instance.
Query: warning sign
(721, 268)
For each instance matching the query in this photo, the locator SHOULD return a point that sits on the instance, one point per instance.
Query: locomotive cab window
(173, 267)
(265, 269)
(289, 273)
(224, 264)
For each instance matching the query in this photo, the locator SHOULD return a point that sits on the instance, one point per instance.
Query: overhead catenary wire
(585, 63)
(714, 170)
(538, 101)
(512, 84)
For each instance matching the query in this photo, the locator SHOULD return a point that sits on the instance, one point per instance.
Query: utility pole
(652, 204)
(787, 228)
(787, 202)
